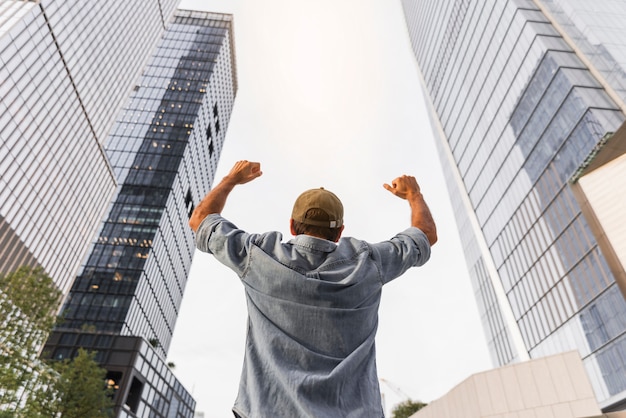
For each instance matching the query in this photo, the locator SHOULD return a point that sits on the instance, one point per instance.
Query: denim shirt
(312, 317)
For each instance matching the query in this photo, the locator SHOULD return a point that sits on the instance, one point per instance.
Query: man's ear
(340, 232)
(291, 227)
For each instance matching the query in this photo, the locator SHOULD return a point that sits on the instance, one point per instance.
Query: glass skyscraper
(163, 151)
(527, 101)
(66, 68)
(112, 119)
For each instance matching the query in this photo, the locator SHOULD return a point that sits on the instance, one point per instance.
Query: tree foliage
(406, 409)
(28, 302)
(29, 387)
(79, 391)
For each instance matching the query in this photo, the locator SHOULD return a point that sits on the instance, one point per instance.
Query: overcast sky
(329, 95)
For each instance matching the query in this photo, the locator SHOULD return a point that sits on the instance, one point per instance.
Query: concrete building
(552, 387)
(527, 101)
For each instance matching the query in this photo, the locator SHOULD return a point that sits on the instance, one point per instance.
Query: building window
(217, 118)
(113, 380)
(134, 395)
(189, 200)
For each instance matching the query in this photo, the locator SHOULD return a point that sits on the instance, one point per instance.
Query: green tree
(79, 391)
(406, 409)
(30, 387)
(28, 302)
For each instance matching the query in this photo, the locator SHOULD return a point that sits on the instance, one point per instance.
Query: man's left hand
(244, 171)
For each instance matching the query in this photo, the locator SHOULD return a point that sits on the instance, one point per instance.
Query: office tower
(163, 150)
(527, 101)
(66, 68)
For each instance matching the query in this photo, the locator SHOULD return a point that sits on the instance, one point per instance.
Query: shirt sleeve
(407, 249)
(228, 244)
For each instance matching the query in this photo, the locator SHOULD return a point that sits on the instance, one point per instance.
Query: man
(312, 301)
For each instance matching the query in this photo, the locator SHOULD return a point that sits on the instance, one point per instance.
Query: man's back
(313, 316)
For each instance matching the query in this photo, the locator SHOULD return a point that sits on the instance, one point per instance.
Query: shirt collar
(314, 243)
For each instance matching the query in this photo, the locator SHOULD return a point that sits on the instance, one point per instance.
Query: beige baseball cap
(326, 202)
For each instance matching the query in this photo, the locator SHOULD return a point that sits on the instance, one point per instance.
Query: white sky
(329, 96)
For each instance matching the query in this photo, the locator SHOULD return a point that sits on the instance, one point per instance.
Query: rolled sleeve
(421, 243)
(228, 244)
(409, 248)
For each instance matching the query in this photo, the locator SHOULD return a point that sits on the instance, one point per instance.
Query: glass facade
(65, 69)
(163, 150)
(105, 45)
(69, 171)
(518, 106)
(597, 30)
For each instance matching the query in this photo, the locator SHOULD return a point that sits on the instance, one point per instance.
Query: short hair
(331, 234)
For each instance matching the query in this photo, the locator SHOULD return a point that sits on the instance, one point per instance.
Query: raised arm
(406, 187)
(241, 173)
